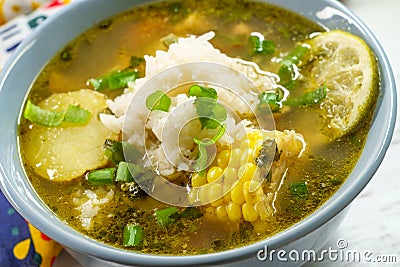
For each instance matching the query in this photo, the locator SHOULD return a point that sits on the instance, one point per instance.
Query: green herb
(114, 151)
(136, 61)
(117, 151)
(308, 99)
(220, 133)
(158, 101)
(299, 189)
(126, 172)
(132, 154)
(295, 55)
(101, 177)
(257, 45)
(43, 117)
(163, 216)
(270, 100)
(169, 39)
(132, 236)
(114, 80)
(191, 213)
(75, 114)
(211, 113)
(202, 159)
(287, 71)
(132, 190)
(200, 91)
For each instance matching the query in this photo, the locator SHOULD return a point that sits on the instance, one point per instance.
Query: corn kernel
(252, 191)
(230, 176)
(192, 196)
(214, 173)
(236, 155)
(226, 190)
(257, 136)
(198, 179)
(223, 158)
(234, 211)
(221, 213)
(249, 212)
(237, 195)
(203, 195)
(247, 156)
(215, 194)
(247, 172)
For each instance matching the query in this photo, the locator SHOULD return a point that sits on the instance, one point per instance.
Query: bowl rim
(326, 212)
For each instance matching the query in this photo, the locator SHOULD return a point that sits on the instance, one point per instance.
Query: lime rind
(346, 64)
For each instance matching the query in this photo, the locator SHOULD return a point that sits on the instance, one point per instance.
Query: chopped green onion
(114, 151)
(257, 45)
(117, 151)
(101, 176)
(169, 39)
(299, 189)
(200, 91)
(158, 101)
(219, 112)
(126, 172)
(76, 114)
(287, 75)
(308, 99)
(132, 236)
(295, 55)
(211, 113)
(191, 213)
(163, 216)
(271, 100)
(201, 161)
(43, 117)
(49, 118)
(114, 80)
(131, 153)
(220, 133)
(287, 71)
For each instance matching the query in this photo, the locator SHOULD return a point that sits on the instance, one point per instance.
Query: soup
(201, 127)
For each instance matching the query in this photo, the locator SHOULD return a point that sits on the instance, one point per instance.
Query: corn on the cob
(240, 196)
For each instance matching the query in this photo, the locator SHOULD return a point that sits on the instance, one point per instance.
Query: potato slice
(65, 152)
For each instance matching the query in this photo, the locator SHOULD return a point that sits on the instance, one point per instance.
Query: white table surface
(373, 221)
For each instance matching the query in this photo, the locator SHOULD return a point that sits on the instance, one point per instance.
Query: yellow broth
(110, 45)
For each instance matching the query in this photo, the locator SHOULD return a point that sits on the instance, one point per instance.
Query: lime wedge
(347, 66)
